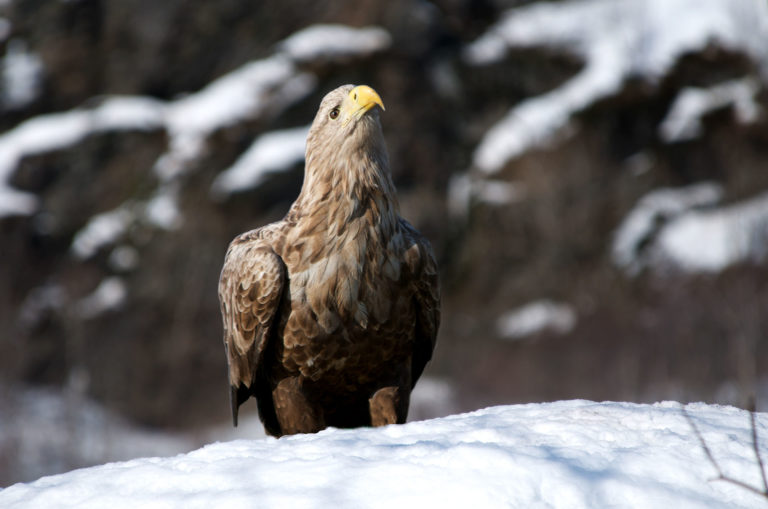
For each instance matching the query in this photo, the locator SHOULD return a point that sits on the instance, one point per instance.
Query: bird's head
(348, 119)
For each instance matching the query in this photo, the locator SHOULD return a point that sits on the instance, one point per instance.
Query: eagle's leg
(294, 411)
(389, 405)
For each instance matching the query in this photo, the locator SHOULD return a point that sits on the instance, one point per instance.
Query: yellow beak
(365, 98)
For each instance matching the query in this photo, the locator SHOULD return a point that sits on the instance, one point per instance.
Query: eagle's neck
(349, 193)
(344, 231)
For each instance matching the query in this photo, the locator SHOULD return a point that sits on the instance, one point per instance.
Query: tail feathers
(237, 396)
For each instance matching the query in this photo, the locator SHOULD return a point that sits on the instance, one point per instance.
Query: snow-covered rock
(617, 39)
(534, 317)
(681, 228)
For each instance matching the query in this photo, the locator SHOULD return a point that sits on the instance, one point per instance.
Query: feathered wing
(250, 289)
(426, 283)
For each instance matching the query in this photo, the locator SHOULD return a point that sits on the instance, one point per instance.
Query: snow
(337, 41)
(659, 207)
(259, 89)
(271, 152)
(574, 454)
(271, 84)
(162, 210)
(683, 229)
(123, 258)
(40, 301)
(109, 295)
(536, 317)
(21, 74)
(56, 131)
(617, 39)
(44, 430)
(101, 230)
(711, 240)
(463, 190)
(683, 122)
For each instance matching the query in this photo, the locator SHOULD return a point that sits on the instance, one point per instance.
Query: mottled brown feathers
(331, 314)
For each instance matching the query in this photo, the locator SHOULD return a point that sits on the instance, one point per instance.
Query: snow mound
(567, 454)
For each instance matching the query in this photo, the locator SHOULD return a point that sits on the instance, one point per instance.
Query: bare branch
(720, 475)
(756, 446)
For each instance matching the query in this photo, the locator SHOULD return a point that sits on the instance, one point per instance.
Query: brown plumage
(331, 314)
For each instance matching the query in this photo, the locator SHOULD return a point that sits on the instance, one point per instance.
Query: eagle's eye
(334, 114)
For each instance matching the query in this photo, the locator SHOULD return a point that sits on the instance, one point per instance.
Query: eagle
(331, 314)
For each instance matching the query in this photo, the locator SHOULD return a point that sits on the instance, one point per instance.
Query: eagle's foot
(386, 407)
(294, 411)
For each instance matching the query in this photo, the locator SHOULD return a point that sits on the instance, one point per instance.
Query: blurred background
(593, 176)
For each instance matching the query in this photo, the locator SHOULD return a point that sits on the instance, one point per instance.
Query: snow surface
(535, 317)
(617, 39)
(574, 454)
(45, 431)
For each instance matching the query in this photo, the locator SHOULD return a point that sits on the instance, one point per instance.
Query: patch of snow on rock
(617, 39)
(632, 241)
(162, 210)
(22, 73)
(109, 295)
(334, 41)
(271, 152)
(258, 89)
(101, 230)
(683, 122)
(463, 190)
(711, 240)
(536, 317)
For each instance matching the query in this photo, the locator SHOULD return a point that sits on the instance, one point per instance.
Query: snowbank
(568, 454)
(617, 39)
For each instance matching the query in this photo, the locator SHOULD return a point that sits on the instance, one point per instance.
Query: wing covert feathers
(250, 289)
(421, 259)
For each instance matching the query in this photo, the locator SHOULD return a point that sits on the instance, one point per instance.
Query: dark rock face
(157, 357)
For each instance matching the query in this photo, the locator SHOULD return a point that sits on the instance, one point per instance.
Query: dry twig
(720, 474)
